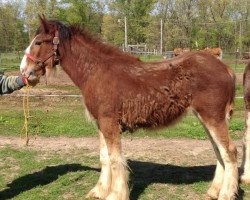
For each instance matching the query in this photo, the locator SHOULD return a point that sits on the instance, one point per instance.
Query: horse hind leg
(245, 178)
(103, 186)
(225, 182)
(214, 190)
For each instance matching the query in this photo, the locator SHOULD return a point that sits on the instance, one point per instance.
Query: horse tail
(232, 96)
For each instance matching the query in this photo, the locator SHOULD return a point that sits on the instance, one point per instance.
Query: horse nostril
(29, 72)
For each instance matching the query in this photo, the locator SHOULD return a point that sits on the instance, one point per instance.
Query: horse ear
(44, 23)
(46, 26)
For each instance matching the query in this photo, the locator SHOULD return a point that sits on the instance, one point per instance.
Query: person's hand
(21, 81)
(24, 79)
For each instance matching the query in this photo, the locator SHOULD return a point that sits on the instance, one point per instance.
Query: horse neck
(79, 61)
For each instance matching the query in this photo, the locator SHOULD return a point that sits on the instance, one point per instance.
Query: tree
(87, 14)
(13, 35)
(113, 30)
(138, 17)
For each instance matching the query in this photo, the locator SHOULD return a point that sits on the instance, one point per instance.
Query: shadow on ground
(43, 177)
(145, 173)
(142, 175)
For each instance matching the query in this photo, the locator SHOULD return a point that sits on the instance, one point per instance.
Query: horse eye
(38, 42)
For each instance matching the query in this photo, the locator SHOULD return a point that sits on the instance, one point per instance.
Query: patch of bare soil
(176, 151)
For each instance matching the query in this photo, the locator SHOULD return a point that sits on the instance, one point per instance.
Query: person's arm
(8, 84)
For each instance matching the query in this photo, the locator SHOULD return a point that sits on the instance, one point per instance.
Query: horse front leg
(119, 186)
(119, 175)
(103, 186)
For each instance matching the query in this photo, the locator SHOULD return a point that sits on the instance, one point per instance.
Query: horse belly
(153, 111)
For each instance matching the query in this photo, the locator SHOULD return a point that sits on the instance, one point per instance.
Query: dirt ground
(179, 151)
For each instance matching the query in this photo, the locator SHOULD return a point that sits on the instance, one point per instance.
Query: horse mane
(66, 33)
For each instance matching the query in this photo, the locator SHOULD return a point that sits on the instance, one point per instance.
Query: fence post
(126, 33)
(240, 40)
(236, 58)
(161, 43)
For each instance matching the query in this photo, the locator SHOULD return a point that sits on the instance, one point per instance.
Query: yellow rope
(26, 113)
(27, 116)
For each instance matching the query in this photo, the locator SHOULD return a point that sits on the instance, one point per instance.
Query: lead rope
(26, 113)
(27, 116)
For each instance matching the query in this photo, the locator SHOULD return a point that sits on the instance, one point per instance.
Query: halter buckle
(56, 40)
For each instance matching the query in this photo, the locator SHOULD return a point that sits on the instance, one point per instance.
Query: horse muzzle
(31, 76)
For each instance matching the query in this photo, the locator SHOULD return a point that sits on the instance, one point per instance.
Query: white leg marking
(119, 188)
(216, 185)
(245, 178)
(230, 182)
(103, 186)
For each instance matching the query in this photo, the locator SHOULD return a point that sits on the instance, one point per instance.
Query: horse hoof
(116, 196)
(226, 197)
(98, 193)
(213, 192)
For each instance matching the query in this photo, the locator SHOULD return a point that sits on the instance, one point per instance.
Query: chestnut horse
(179, 51)
(217, 52)
(123, 93)
(246, 148)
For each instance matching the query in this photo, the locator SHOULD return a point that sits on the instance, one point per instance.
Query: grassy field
(64, 116)
(67, 113)
(30, 174)
(38, 175)
(9, 61)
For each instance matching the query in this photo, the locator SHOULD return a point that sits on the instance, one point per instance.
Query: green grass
(238, 68)
(31, 175)
(50, 117)
(27, 174)
(10, 61)
(64, 116)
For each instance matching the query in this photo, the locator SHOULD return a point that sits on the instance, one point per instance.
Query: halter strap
(30, 57)
(54, 52)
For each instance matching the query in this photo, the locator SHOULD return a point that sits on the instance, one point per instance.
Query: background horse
(123, 94)
(217, 52)
(179, 51)
(246, 149)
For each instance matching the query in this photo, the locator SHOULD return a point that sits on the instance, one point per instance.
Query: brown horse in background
(246, 149)
(217, 52)
(179, 51)
(123, 93)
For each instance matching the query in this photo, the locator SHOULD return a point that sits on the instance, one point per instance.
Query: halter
(40, 61)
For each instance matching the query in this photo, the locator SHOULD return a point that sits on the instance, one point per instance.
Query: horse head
(42, 54)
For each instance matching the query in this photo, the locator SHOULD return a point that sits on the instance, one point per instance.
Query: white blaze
(24, 60)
